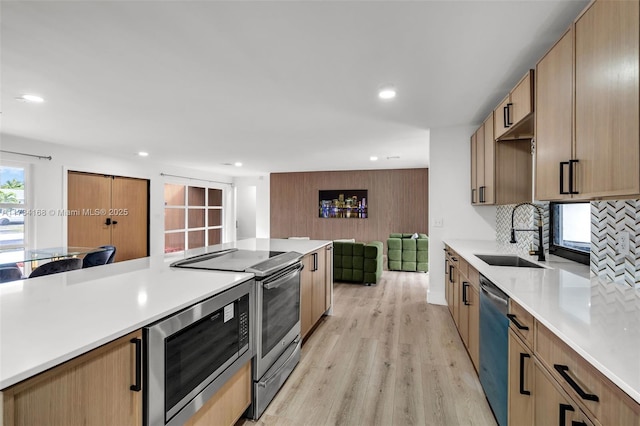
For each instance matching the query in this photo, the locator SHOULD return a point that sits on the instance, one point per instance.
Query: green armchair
(405, 253)
(357, 262)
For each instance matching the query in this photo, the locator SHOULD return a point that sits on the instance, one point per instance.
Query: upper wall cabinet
(554, 126)
(500, 171)
(513, 118)
(600, 158)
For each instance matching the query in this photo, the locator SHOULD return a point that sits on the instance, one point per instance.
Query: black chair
(100, 257)
(57, 266)
(10, 273)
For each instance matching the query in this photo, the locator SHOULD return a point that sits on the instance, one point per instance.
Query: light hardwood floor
(385, 357)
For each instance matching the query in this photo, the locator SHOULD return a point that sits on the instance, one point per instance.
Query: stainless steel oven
(277, 314)
(191, 354)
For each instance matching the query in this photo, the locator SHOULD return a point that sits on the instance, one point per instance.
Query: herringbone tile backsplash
(525, 218)
(608, 218)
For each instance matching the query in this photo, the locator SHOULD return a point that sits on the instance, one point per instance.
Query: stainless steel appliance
(277, 314)
(191, 354)
(494, 347)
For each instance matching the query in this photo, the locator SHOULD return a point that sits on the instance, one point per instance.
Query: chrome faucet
(540, 251)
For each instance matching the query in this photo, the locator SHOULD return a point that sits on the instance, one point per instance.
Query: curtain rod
(39, 157)
(191, 178)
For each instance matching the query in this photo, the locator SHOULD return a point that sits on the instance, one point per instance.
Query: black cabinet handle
(451, 273)
(509, 107)
(137, 387)
(522, 358)
(562, 164)
(562, 421)
(563, 370)
(482, 191)
(505, 113)
(473, 195)
(115, 222)
(455, 259)
(571, 175)
(513, 319)
(575, 423)
(108, 221)
(465, 285)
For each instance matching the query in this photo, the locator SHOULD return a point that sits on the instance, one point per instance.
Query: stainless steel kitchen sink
(506, 260)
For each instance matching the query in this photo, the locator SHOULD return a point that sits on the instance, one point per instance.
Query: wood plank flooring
(385, 357)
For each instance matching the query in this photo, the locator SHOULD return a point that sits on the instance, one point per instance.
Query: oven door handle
(264, 383)
(280, 279)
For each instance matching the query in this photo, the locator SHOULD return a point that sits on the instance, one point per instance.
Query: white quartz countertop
(599, 320)
(48, 320)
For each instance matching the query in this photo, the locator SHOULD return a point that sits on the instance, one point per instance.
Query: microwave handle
(277, 281)
(265, 383)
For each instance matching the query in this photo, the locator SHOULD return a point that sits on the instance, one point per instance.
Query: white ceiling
(279, 86)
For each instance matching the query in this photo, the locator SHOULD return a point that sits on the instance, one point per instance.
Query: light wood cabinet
(482, 164)
(501, 172)
(552, 405)
(513, 117)
(520, 410)
(554, 125)
(592, 71)
(92, 389)
(463, 298)
(607, 140)
(315, 288)
(228, 404)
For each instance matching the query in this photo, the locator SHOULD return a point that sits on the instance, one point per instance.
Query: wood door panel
(130, 210)
(607, 99)
(521, 99)
(554, 125)
(474, 169)
(89, 195)
(489, 161)
(92, 389)
(499, 125)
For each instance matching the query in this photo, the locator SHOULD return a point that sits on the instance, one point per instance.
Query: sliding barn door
(109, 210)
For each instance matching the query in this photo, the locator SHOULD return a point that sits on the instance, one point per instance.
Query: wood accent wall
(397, 202)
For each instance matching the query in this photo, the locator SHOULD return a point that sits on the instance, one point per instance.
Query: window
(192, 217)
(570, 231)
(13, 206)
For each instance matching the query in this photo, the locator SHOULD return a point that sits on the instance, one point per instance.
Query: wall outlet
(622, 240)
(438, 223)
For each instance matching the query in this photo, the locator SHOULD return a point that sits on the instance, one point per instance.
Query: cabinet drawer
(598, 395)
(463, 267)
(521, 322)
(474, 277)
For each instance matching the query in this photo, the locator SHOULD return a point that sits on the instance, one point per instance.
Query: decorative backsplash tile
(608, 218)
(525, 218)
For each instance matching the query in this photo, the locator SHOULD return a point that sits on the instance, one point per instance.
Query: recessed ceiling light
(237, 164)
(387, 93)
(30, 98)
(373, 158)
(143, 154)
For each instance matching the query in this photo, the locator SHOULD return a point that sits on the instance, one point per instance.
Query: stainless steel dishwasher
(494, 347)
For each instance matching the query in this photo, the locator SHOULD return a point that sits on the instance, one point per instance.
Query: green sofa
(405, 253)
(357, 262)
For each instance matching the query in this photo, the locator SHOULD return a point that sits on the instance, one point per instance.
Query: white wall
(262, 202)
(245, 212)
(49, 186)
(449, 202)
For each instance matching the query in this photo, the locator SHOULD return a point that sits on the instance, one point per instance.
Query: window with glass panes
(14, 206)
(193, 217)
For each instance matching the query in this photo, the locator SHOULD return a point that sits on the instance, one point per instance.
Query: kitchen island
(595, 319)
(47, 321)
